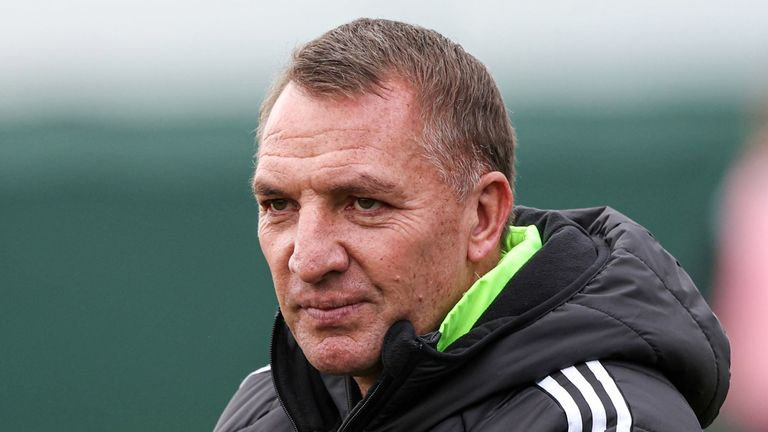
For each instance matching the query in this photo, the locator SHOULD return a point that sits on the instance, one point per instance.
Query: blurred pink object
(741, 294)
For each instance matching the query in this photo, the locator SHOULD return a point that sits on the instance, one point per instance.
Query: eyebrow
(359, 184)
(265, 189)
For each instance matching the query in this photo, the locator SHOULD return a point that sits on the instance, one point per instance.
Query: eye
(277, 205)
(367, 204)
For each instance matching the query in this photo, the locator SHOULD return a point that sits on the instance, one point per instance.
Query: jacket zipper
(345, 425)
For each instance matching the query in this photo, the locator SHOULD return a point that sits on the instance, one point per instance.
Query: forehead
(315, 125)
(328, 144)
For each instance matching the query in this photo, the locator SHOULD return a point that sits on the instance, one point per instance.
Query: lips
(332, 313)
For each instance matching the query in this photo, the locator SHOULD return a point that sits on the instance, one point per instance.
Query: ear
(492, 200)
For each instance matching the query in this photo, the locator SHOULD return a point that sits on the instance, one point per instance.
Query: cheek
(276, 248)
(437, 277)
(419, 277)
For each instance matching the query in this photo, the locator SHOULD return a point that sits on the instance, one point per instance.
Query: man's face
(358, 229)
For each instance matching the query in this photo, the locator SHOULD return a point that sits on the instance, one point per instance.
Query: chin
(343, 358)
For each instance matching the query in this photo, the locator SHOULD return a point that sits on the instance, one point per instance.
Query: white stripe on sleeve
(594, 402)
(623, 416)
(572, 413)
(266, 368)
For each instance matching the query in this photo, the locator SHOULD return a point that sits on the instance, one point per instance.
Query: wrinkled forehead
(309, 142)
(297, 113)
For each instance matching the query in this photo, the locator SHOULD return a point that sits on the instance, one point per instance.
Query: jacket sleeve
(254, 407)
(592, 396)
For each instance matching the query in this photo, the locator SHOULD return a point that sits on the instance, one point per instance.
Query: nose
(317, 248)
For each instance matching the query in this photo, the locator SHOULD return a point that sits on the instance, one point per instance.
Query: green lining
(519, 246)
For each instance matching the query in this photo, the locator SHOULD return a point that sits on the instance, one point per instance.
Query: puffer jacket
(600, 330)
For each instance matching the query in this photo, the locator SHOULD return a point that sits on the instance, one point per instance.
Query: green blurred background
(134, 294)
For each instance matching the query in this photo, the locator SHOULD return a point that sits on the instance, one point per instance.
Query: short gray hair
(466, 129)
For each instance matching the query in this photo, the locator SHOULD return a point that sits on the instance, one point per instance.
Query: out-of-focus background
(133, 293)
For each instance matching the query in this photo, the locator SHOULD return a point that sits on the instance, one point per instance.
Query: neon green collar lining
(519, 246)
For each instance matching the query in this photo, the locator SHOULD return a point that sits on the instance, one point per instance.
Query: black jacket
(600, 330)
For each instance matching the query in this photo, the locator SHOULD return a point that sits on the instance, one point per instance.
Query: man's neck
(364, 383)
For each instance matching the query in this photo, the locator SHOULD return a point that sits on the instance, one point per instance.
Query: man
(407, 300)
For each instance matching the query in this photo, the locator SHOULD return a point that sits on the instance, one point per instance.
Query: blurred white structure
(174, 57)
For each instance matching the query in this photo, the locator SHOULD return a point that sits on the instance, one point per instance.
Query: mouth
(332, 314)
